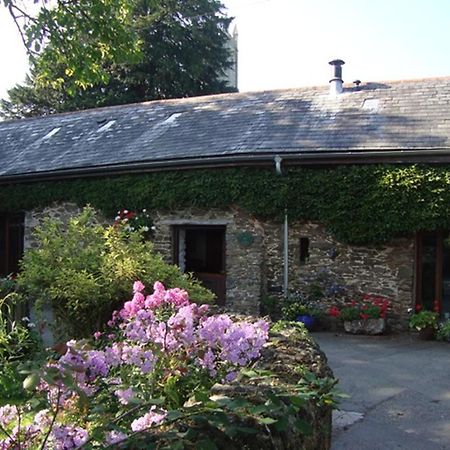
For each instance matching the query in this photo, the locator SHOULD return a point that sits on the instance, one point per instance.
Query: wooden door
(200, 250)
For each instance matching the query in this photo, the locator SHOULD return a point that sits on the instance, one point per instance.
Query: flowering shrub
(161, 353)
(370, 306)
(134, 221)
(424, 319)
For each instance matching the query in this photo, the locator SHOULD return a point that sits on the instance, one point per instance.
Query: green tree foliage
(182, 52)
(85, 271)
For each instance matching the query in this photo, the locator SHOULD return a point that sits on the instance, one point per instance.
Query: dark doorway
(433, 271)
(200, 250)
(11, 243)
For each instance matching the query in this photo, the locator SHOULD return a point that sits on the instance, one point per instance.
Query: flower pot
(427, 333)
(307, 320)
(365, 326)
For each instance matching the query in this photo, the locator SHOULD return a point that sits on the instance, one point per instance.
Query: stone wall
(254, 267)
(386, 270)
(257, 270)
(243, 263)
(35, 217)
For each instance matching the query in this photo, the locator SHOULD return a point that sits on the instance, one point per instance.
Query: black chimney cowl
(337, 73)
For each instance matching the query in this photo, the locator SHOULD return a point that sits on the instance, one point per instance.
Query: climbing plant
(359, 204)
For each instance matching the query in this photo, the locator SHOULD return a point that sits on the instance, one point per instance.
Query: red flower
(436, 307)
(364, 316)
(334, 311)
(418, 307)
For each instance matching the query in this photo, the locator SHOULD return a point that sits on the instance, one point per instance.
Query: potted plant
(298, 308)
(443, 331)
(425, 322)
(366, 315)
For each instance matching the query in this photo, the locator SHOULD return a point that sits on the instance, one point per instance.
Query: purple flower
(114, 437)
(149, 419)
(67, 437)
(7, 414)
(124, 395)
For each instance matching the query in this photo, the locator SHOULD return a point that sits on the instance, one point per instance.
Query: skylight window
(51, 133)
(172, 118)
(107, 126)
(371, 104)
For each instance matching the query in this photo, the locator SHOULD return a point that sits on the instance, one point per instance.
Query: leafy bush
(443, 332)
(85, 270)
(424, 319)
(19, 343)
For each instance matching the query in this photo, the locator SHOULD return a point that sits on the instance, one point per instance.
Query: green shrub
(424, 319)
(19, 343)
(85, 270)
(443, 333)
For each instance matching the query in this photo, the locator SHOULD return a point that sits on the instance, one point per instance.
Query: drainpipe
(278, 170)
(286, 254)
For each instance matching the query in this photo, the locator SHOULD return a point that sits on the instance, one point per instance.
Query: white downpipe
(278, 160)
(286, 255)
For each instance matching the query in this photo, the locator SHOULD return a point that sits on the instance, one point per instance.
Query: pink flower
(149, 419)
(114, 437)
(124, 395)
(138, 286)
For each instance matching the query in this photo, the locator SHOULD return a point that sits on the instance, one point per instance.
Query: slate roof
(394, 121)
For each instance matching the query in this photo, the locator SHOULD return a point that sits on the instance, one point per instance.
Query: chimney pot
(336, 83)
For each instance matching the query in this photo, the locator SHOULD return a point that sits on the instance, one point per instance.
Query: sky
(288, 43)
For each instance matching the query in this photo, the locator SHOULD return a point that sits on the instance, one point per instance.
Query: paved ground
(399, 388)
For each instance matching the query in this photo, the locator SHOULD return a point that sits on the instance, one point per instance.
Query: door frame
(438, 275)
(179, 230)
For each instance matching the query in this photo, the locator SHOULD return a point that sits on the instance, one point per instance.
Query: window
(11, 242)
(304, 250)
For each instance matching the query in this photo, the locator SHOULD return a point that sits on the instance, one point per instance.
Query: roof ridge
(221, 96)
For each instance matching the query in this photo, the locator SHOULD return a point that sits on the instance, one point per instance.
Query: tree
(183, 52)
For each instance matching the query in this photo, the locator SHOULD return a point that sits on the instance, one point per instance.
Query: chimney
(336, 82)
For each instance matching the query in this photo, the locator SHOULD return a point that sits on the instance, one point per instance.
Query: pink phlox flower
(208, 362)
(153, 417)
(157, 298)
(138, 286)
(7, 414)
(113, 355)
(114, 437)
(176, 297)
(230, 376)
(182, 324)
(124, 395)
(137, 328)
(43, 419)
(137, 356)
(132, 307)
(97, 364)
(213, 328)
(68, 437)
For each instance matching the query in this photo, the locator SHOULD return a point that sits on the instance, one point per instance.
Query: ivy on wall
(359, 204)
